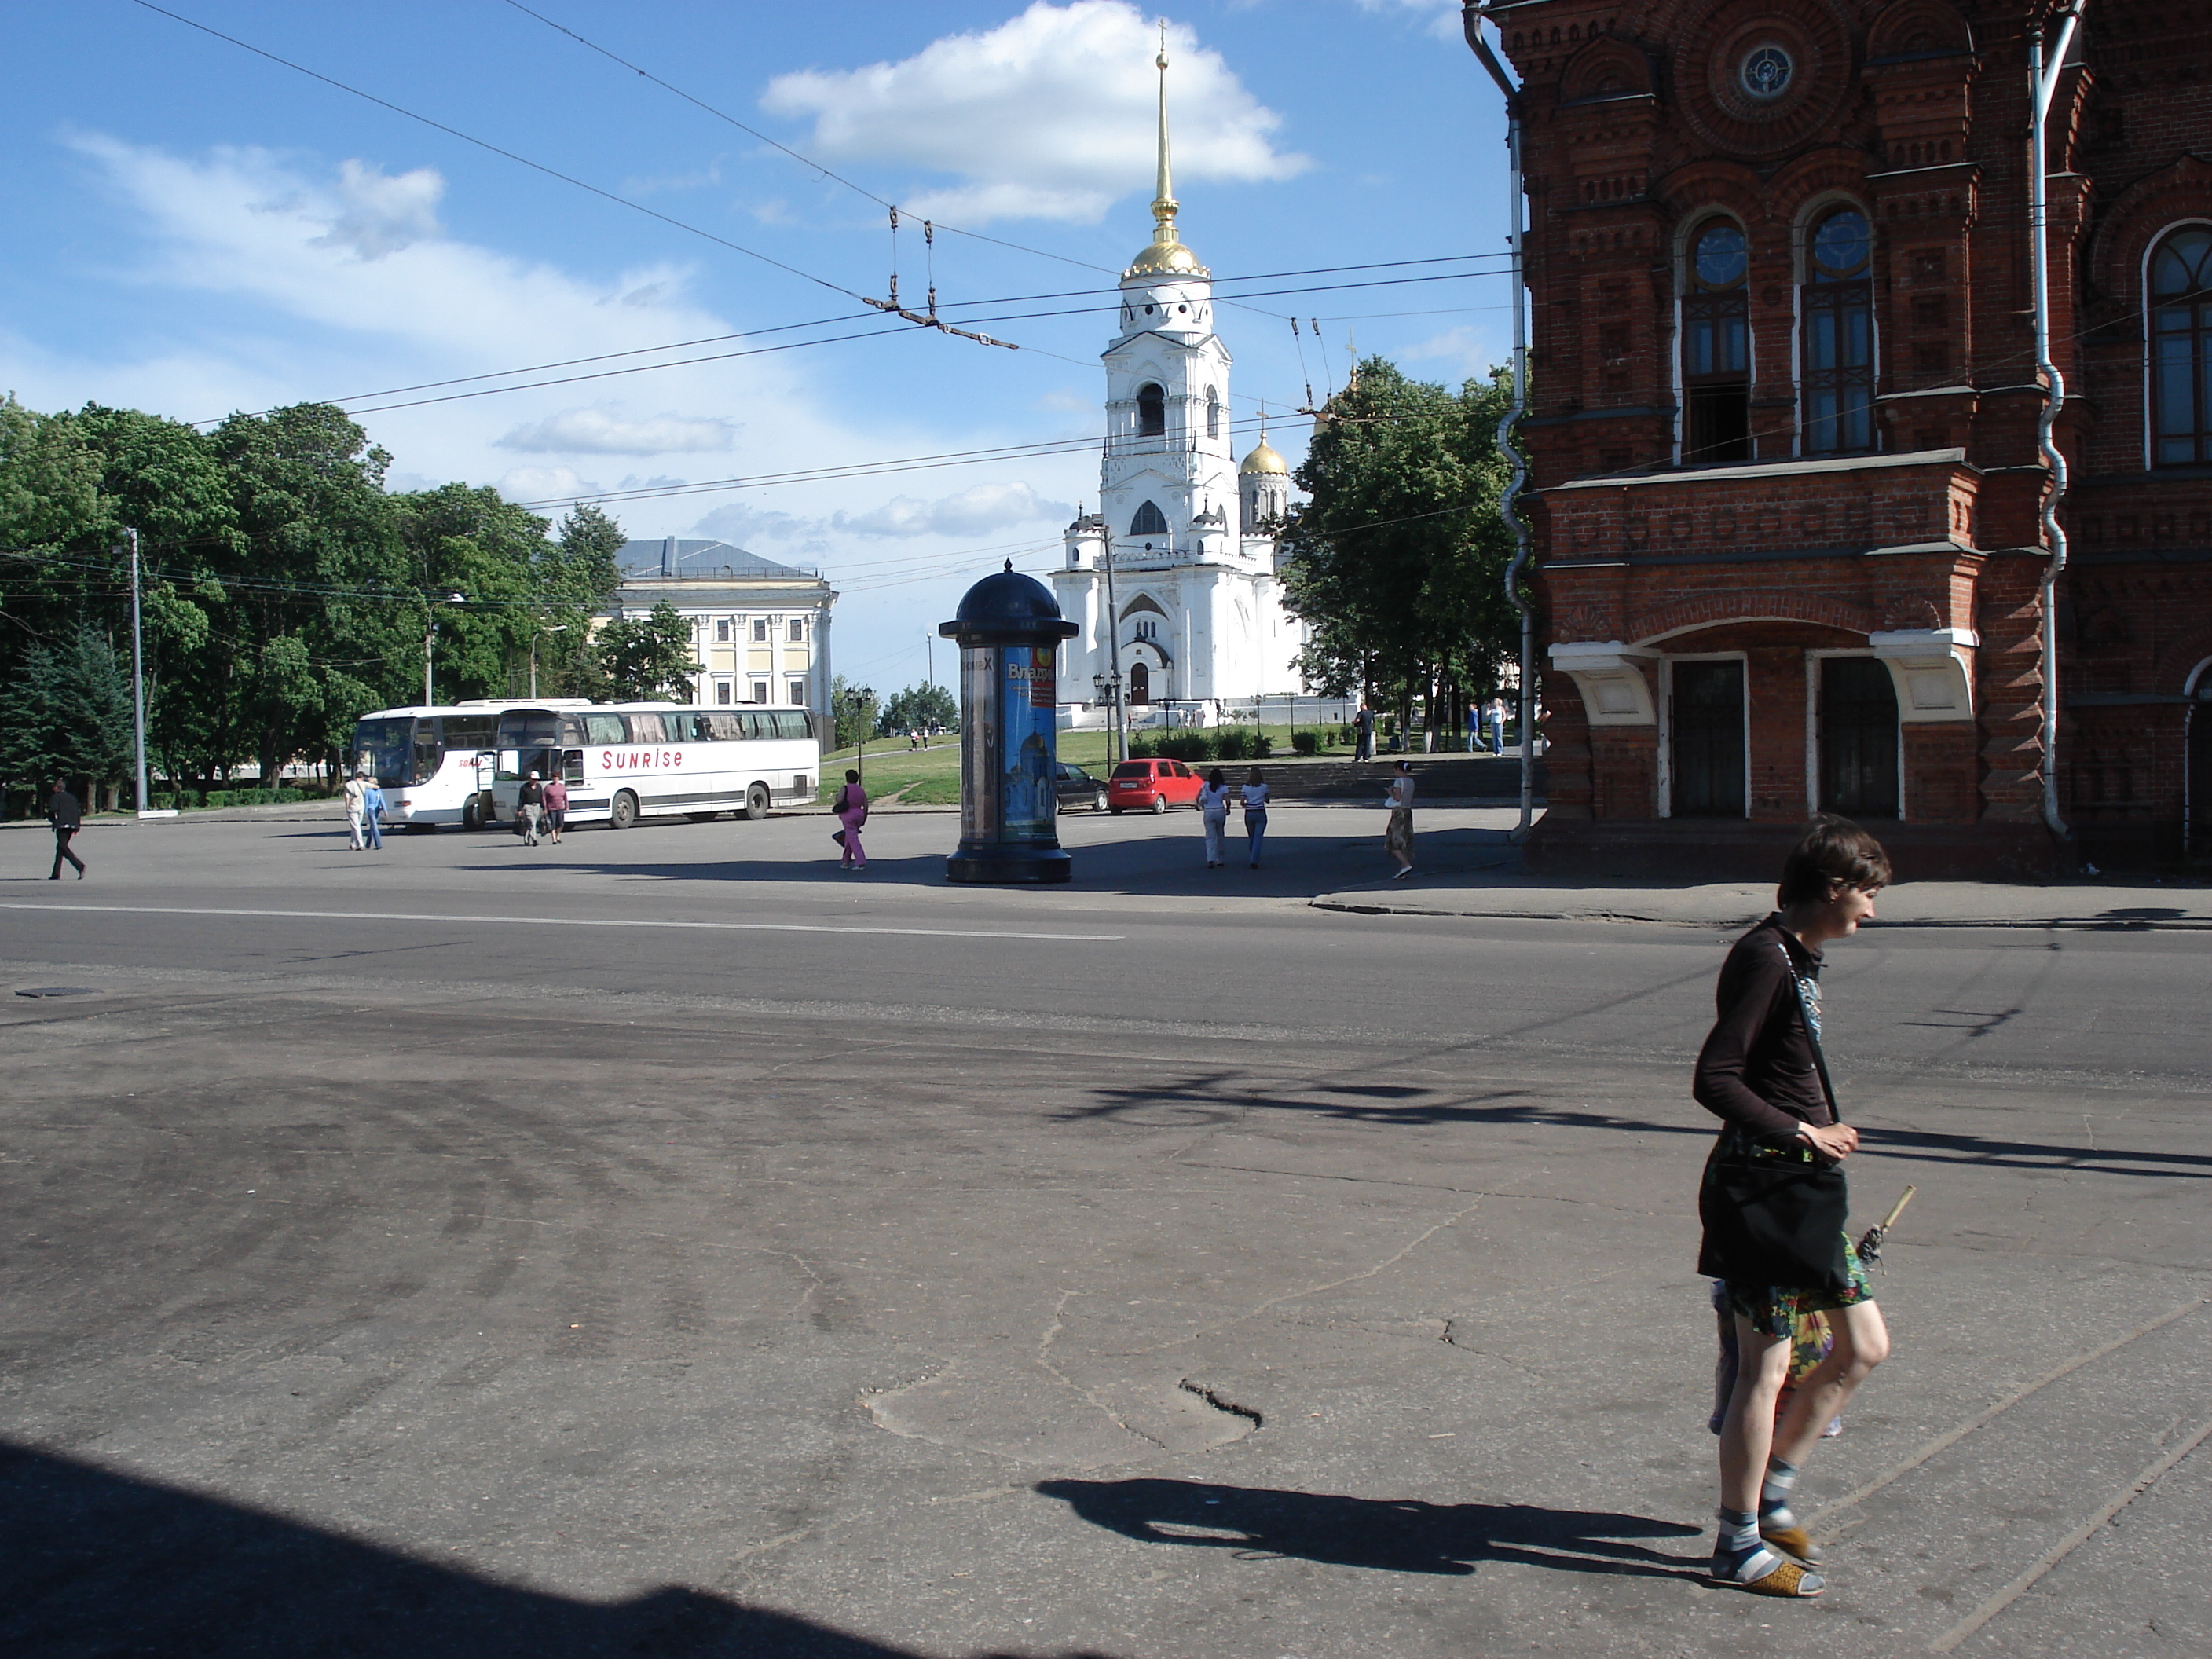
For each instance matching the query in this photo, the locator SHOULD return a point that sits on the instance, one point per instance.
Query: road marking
(2066, 1546)
(565, 921)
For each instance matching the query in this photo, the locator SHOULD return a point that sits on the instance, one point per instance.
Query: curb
(2064, 924)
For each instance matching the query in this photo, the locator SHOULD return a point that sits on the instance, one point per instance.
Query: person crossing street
(67, 818)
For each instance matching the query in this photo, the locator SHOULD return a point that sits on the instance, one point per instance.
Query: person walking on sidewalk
(1763, 1074)
(851, 808)
(1494, 714)
(1214, 813)
(556, 805)
(1255, 813)
(1398, 839)
(372, 813)
(530, 802)
(1363, 728)
(354, 791)
(67, 818)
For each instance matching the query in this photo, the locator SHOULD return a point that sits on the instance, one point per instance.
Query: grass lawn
(931, 777)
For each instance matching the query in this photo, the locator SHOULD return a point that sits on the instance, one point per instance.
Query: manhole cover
(60, 991)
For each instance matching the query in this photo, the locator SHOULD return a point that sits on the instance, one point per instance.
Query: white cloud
(973, 511)
(1442, 16)
(544, 483)
(1467, 349)
(1051, 115)
(595, 432)
(378, 214)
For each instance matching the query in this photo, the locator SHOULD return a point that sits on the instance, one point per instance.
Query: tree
(919, 708)
(66, 712)
(649, 658)
(1397, 563)
(855, 708)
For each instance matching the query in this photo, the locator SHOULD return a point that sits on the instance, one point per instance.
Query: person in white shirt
(1255, 813)
(1213, 810)
(355, 789)
(1398, 840)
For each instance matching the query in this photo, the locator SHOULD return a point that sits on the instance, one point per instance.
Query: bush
(1305, 743)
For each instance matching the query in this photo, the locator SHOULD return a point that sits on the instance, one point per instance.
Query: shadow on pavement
(1221, 1097)
(1387, 1534)
(92, 1563)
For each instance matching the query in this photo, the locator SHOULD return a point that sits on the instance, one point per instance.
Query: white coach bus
(623, 762)
(437, 765)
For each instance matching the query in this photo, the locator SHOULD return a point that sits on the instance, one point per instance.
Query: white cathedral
(1196, 599)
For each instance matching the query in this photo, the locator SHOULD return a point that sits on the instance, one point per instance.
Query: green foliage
(1305, 743)
(285, 592)
(1226, 743)
(648, 659)
(66, 712)
(919, 708)
(1396, 564)
(856, 707)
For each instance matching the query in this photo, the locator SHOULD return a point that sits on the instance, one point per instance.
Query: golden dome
(1164, 255)
(1263, 458)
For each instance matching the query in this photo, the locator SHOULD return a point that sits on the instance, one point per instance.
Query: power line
(485, 145)
(774, 143)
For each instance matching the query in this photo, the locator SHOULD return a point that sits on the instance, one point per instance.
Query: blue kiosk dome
(1009, 605)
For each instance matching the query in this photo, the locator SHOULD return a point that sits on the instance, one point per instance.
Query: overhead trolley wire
(486, 144)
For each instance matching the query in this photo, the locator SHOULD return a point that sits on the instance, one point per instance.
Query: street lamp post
(860, 697)
(562, 628)
(429, 635)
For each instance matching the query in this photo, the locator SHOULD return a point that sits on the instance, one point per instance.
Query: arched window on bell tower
(1716, 345)
(1212, 413)
(1151, 410)
(1149, 521)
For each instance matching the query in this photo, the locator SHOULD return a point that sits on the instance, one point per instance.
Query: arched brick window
(1151, 410)
(1716, 346)
(1837, 357)
(2181, 348)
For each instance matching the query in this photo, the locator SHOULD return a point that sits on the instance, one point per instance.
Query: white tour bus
(437, 765)
(623, 762)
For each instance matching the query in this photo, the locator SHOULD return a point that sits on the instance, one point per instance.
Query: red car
(1152, 785)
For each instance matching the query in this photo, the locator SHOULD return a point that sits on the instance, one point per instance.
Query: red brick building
(1784, 429)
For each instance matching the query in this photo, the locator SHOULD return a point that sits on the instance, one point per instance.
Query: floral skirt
(1781, 1310)
(1398, 839)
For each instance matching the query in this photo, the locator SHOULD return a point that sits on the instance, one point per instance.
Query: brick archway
(1721, 609)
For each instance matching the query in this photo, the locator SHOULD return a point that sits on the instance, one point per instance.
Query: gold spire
(1166, 255)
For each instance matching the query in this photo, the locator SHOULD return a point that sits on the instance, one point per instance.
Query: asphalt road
(664, 1243)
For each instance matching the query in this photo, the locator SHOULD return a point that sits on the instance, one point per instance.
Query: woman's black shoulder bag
(1776, 1216)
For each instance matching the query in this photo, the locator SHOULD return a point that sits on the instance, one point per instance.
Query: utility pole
(1113, 648)
(137, 676)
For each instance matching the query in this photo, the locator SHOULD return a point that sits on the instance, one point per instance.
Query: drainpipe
(2043, 83)
(1471, 21)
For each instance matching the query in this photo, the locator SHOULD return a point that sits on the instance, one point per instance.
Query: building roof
(674, 557)
(1263, 458)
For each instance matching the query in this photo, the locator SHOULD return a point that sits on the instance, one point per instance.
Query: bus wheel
(757, 802)
(471, 814)
(625, 811)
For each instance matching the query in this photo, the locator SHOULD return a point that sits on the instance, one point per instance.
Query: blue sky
(193, 229)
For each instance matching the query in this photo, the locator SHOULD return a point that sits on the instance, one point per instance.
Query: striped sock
(1774, 1494)
(1739, 1554)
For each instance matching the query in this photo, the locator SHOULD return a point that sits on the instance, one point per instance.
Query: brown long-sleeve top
(1756, 1070)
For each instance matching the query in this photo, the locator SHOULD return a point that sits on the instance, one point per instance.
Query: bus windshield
(385, 748)
(529, 741)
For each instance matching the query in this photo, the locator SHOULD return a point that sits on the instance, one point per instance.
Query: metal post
(1116, 707)
(137, 674)
(429, 632)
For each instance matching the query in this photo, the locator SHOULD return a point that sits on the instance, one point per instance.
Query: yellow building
(762, 629)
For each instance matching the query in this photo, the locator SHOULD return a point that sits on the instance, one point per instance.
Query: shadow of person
(1387, 1534)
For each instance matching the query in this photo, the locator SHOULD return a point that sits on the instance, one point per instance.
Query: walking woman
(1255, 813)
(1398, 839)
(1213, 812)
(556, 805)
(354, 791)
(851, 807)
(1774, 1204)
(372, 813)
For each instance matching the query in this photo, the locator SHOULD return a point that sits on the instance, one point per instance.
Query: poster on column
(1026, 747)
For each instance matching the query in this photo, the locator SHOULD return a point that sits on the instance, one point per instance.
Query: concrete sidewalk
(1500, 889)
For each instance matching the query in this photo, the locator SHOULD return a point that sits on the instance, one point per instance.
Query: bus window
(468, 734)
(429, 753)
(653, 729)
(795, 723)
(724, 728)
(572, 765)
(600, 730)
(383, 748)
(572, 732)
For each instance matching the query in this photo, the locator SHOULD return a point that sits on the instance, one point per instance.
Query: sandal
(1786, 1578)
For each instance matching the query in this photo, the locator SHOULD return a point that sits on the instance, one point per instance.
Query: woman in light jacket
(355, 789)
(1213, 810)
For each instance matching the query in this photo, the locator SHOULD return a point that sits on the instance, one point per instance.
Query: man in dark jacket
(67, 817)
(530, 802)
